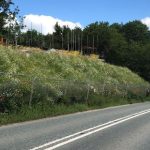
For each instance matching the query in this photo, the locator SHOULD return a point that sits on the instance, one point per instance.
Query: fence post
(87, 96)
(66, 87)
(103, 89)
(31, 94)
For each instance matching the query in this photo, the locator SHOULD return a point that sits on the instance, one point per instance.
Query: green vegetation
(120, 44)
(44, 111)
(41, 84)
(37, 84)
(56, 66)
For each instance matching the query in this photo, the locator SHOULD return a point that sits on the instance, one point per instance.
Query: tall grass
(59, 66)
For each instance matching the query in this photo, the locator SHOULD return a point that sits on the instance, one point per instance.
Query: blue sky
(87, 11)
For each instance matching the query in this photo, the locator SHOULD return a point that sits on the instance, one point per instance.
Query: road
(116, 128)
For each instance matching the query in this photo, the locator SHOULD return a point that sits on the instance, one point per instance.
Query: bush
(11, 97)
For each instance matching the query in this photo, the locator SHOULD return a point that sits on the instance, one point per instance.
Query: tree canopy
(7, 16)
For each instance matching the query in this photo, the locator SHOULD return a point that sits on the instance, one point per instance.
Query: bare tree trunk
(87, 42)
(78, 42)
(68, 42)
(71, 41)
(62, 42)
(93, 43)
(75, 42)
(81, 43)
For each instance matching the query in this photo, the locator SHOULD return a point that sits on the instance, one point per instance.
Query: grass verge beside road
(44, 111)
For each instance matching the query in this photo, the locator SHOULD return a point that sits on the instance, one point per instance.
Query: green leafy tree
(136, 31)
(117, 26)
(97, 35)
(118, 47)
(58, 36)
(145, 62)
(7, 16)
(30, 38)
(66, 31)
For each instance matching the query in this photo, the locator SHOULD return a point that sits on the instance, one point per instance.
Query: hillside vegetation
(70, 66)
(49, 82)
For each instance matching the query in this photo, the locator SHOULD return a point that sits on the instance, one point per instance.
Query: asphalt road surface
(117, 128)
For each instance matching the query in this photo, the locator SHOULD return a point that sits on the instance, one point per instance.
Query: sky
(43, 14)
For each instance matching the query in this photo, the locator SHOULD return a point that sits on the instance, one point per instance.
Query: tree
(7, 15)
(117, 26)
(58, 36)
(29, 38)
(118, 46)
(145, 62)
(97, 35)
(136, 31)
(66, 37)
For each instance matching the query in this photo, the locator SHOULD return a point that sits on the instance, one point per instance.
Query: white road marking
(87, 132)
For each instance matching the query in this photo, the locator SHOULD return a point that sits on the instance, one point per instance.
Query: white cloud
(146, 21)
(45, 24)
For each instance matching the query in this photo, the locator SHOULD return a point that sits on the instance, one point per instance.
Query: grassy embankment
(40, 84)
